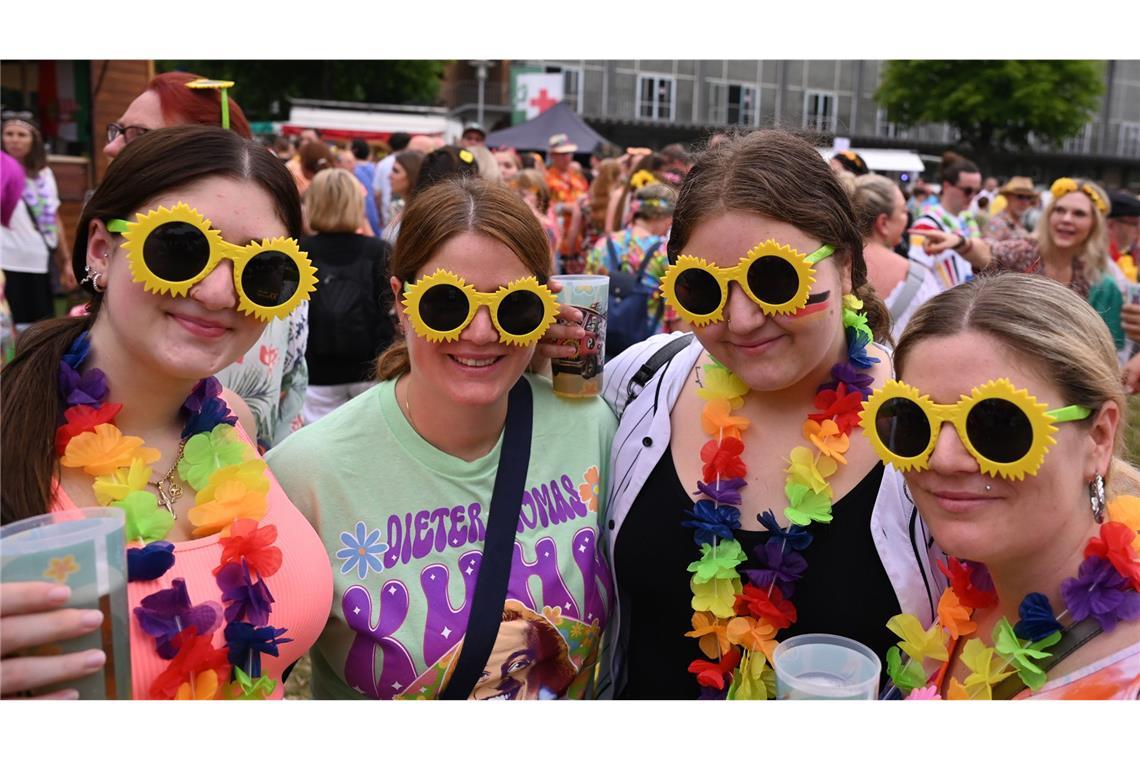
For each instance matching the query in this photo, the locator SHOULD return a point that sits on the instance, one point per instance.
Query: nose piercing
(989, 488)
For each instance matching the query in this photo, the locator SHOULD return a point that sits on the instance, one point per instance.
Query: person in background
(443, 163)
(961, 181)
(350, 320)
(509, 163)
(566, 184)
(365, 171)
(294, 164)
(880, 214)
(272, 377)
(530, 185)
(920, 197)
(402, 182)
(283, 148)
(599, 204)
(1006, 224)
(473, 135)
(11, 191)
(33, 235)
(1124, 228)
(381, 180)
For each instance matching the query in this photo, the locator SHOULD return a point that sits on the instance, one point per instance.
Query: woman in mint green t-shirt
(398, 481)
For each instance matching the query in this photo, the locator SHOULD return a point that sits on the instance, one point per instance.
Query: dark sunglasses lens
(520, 312)
(903, 427)
(773, 280)
(697, 291)
(176, 251)
(443, 307)
(270, 278)
(999, 430)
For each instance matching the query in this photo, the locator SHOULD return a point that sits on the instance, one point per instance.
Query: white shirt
(22, 248)
(382, 184)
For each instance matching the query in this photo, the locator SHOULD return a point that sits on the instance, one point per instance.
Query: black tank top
(845, 590)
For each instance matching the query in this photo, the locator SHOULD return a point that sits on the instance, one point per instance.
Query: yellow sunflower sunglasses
(1004, 428)
(172, 249)
(441, 305)
(777, 277)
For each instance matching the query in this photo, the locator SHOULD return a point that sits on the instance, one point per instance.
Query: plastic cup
(580, 375)
(83, 549)
(824, 666)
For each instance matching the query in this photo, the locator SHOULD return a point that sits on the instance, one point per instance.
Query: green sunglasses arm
(819, 254)
(117, 225)
(1069, 413)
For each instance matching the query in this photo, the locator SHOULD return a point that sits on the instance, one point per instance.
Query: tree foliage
(994, 104)
(261, 84)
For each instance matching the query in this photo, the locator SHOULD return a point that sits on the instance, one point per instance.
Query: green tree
(995, 105)
(263, 86)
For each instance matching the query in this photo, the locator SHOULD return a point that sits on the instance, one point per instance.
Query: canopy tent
(536, 133)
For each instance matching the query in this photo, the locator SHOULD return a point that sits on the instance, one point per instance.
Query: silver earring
(89, 272)
(1096, 497)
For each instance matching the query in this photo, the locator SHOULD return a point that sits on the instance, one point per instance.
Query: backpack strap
(615, 259)
(914, 277)
(660, 357)
(659, 312)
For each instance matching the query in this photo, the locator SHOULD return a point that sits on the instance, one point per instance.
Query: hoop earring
(1096, 498)
(93, 278)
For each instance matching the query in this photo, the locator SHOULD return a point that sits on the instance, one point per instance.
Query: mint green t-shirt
(403, 524)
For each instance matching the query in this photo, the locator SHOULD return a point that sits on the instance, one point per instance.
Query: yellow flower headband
(1066, 185)
(642, 179)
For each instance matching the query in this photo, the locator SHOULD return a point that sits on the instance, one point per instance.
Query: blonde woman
(1007, 420)
(1070, 245)
(350, 323)
(880, 213)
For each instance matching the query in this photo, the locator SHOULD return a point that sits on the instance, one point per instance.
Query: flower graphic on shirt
(588, 491)
(60, 568)
(269, 356)
(362, 552)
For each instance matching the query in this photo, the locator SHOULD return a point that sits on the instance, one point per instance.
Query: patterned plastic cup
(580, 375)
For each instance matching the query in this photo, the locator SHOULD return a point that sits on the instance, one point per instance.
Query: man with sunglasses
(961, 181)
(1007, 223)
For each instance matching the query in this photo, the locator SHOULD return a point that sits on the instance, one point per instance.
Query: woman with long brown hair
(187, 248)
(431, 482)
(746, 507)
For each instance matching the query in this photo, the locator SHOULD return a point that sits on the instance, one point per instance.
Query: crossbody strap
(486, 611)
(914, 277)
(1072, 639)
(654, 363)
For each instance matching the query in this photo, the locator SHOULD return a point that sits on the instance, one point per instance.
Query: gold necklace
(170, 491)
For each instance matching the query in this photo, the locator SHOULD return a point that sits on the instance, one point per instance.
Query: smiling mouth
(475, 363)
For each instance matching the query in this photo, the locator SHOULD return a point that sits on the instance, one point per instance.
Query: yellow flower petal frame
(1066, 185)
(135, 234)
(414, 293)
(801, 263)
(1039, 417)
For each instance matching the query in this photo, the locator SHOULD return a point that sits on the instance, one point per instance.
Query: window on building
(571, 85)
(655, 97)
(1129, 143)
(732, 103)
(884, 127)
(1081, 143)
(819, 111)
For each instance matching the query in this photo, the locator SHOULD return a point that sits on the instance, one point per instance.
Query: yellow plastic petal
(918, 642)
(116, 486)
(106, 449)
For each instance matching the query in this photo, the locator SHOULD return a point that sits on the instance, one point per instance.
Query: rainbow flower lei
(231, 498)
(1106, 588)
(736, 620)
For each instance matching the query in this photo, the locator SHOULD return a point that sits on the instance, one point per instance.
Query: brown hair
(334, 202)
(157, 162)
(532, 179)
(411, 160)
(450, 208)
(607, 177)
(780, 176)
(656, 201)
(954, 166)
(315, 156)
(1044, 325)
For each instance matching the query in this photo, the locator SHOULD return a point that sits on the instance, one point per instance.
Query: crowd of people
(844, 405)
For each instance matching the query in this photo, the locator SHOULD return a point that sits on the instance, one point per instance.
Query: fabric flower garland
(231, 498)
(1106, 588)
(738, 610)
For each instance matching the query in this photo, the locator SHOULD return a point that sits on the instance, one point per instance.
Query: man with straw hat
(1019, 197)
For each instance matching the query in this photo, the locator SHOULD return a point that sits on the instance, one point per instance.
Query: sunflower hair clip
(1066, 185)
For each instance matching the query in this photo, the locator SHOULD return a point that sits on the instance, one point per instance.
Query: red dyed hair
(181, 105)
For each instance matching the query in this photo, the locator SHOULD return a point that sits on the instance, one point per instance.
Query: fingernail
(91, 618)
(59, 594)
(69, 694)
(94, 659)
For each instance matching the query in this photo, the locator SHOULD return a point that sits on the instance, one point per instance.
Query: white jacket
(905, 547)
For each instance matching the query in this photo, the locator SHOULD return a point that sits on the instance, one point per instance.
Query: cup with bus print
(84, 549)
(580, 375)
